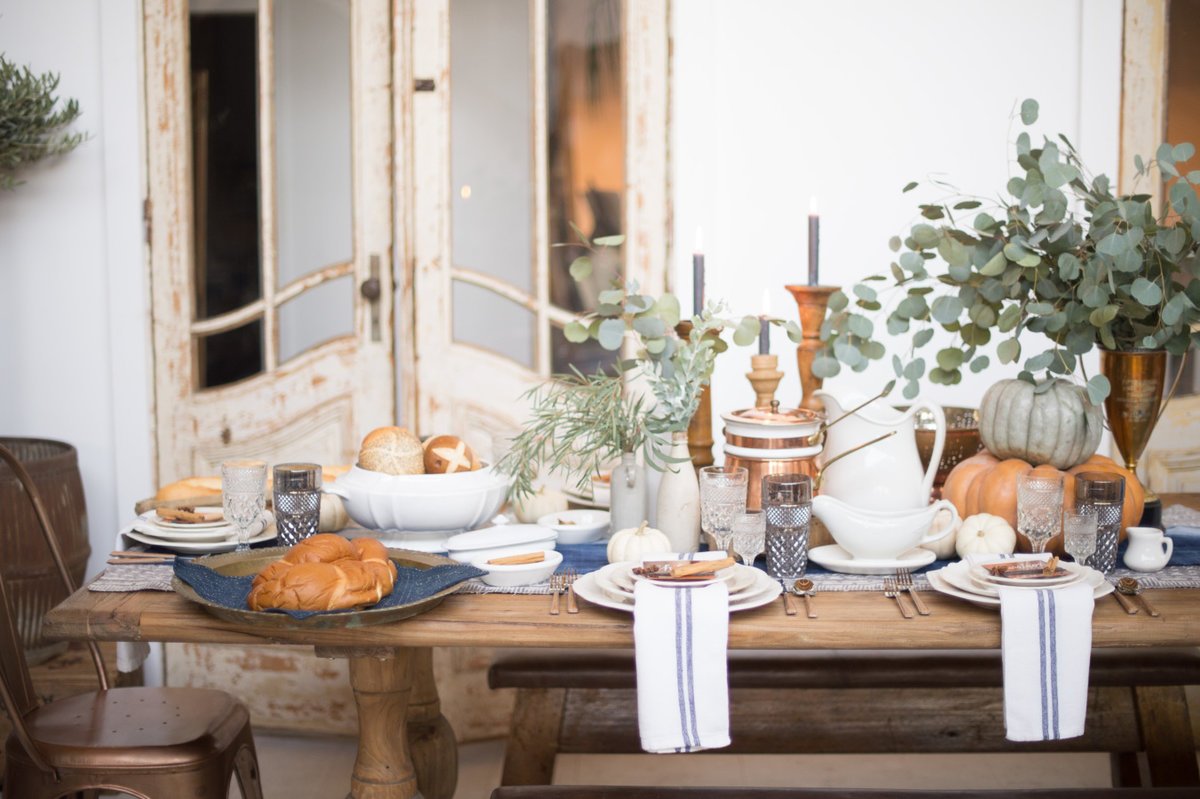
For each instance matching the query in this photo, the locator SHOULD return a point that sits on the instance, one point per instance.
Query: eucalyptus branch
(31, 120)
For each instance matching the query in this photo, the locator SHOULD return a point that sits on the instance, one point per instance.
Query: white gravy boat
(881, 535)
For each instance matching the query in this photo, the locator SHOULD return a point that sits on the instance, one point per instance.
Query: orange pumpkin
(985, 484)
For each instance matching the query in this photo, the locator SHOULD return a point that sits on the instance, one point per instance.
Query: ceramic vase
(678, 509)
(628, 499)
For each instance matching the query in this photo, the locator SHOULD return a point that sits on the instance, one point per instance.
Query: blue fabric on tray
(586, 558)
(412, 585)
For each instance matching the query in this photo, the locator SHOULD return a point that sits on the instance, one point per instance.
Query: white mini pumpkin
(541, 503)
(633, 542)
(984, 533)
(944, 546)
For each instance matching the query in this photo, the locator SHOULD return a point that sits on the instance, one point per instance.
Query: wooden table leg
(430, 737)
(1167, 735)
(383, 768)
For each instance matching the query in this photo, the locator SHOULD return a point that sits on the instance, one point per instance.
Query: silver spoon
(805, 588)
(1130, 587)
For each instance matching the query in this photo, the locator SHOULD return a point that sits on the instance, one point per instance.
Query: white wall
(775, 101)
(74, 352)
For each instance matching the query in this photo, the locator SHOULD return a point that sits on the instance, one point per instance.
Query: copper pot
(772, 441)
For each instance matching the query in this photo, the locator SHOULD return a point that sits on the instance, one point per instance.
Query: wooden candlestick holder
(812, 302)
(764, 376)
(700, 440)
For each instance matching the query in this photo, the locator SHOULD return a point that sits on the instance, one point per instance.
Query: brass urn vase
(1135, 398)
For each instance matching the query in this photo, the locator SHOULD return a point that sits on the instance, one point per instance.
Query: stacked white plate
(975, 585)
(198, 537)
(612, 586)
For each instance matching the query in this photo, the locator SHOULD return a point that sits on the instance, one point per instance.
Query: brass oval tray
(243, 564)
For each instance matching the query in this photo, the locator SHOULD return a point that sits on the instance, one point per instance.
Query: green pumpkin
(1059, 427)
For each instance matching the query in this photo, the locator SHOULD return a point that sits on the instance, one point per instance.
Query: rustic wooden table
(393, 681)
(392, 676)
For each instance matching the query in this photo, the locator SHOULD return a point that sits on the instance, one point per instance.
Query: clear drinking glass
(243, 495)
(1103, 494)
(787, 505)
(1079, 534)
(1039, 508)
(749, 534)
(296, 495)
(722, 496)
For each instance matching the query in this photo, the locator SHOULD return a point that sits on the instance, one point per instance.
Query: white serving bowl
(445, 503)
(581, 526)
(498, 541)
(518, 574)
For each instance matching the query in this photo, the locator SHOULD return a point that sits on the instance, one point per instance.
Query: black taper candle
(764, 336)
(697, 283)
(814, 246)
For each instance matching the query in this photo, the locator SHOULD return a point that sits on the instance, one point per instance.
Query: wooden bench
(612, 792)
(845, 702)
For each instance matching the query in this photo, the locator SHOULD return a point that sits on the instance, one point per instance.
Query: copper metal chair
(154, 743)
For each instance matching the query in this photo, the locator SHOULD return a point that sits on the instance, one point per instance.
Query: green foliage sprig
(31, 123)
(578, 424)
(1057, 254)
(676, 367)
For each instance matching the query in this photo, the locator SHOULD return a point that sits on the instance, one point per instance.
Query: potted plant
(1057, 254)
(31, 121)
(675, 368)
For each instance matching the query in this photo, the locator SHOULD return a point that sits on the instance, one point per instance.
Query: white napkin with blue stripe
(1046, 646)
(680, 643)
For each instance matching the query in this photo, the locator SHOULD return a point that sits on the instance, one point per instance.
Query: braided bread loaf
(325, 572)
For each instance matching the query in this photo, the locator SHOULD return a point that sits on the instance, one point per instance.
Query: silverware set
(560, 584)
(899, 584)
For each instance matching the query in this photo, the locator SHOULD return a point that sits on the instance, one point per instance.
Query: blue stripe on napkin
(681, 688)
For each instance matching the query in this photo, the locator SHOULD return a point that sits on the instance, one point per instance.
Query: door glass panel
(484, 319)
(230, 356)
(491, 139)
(312, 136)
(225, 187)
(316, 316)
(586, 151)
(588, 356)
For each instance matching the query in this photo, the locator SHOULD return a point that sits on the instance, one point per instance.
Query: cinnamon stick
(693, 567)
(517, 560)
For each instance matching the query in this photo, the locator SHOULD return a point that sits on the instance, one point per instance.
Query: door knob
(370, 289)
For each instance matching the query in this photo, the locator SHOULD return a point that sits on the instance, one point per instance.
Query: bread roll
(325, 572)
(392, 450)
(190, 488)
(447, 455)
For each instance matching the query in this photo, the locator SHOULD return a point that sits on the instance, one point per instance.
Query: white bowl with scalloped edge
(425, 503)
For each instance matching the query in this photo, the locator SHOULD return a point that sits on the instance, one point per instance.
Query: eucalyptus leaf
(1009, 350)
(667, 308)
(1098, 389)
(946, 309)
(609, 241)
(746, 332)
(575, 332)
(581, 268)
(922, 337)
(1029, 111)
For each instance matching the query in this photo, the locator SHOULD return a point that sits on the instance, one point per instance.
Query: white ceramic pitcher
(887, 474)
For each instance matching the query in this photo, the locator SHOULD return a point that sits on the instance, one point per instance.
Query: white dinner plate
(1100, 587)
(836, 559)
(199, 547)
(152, 517)
(587, 588)
(148, 525)
(963, 577)
(738, 577)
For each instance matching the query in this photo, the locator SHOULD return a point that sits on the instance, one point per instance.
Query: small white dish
(153, 517)
(504, 539)
(577, 526)
(502, 576)
(765, 591)
(836, 559)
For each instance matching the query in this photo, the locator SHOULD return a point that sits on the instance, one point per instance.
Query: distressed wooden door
(269, 223)
(527, 117)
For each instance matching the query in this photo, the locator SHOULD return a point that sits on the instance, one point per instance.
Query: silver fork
(890, 591)
(556, 590)
(904, 582)
(569, 579)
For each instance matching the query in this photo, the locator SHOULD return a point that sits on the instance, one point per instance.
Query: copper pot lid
(775, 416)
